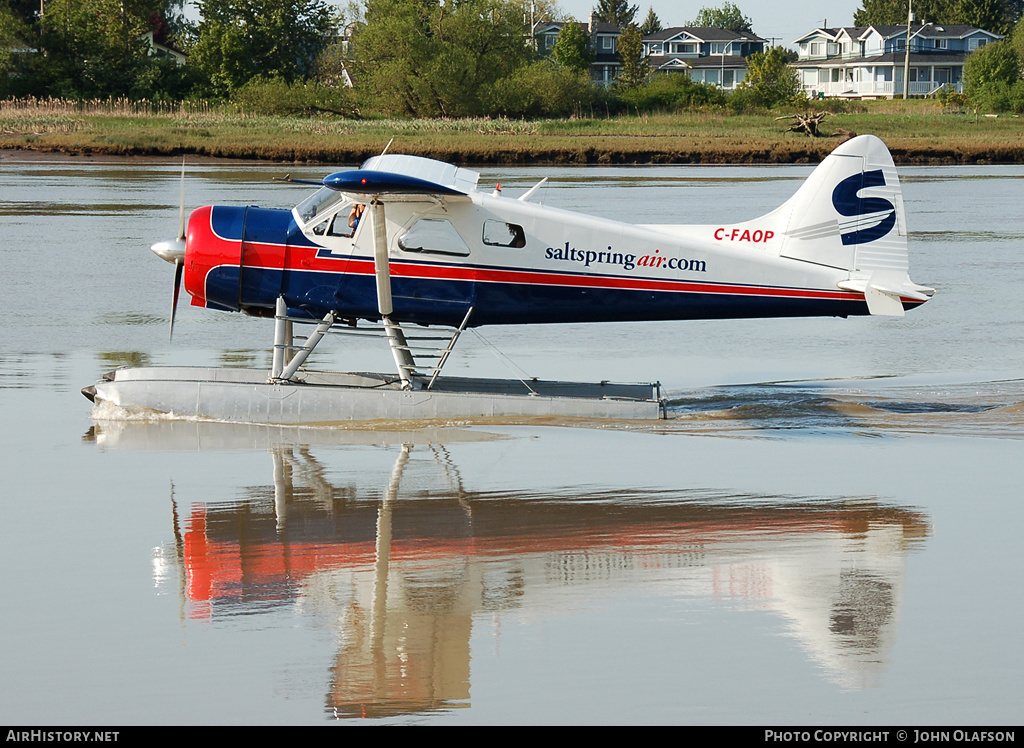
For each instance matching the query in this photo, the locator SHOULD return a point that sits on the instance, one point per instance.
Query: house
(708, 55)
(604, 39)
(868, 61)
(160, 45)
(603, 42)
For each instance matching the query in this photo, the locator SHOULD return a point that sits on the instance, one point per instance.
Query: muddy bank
(643, 151)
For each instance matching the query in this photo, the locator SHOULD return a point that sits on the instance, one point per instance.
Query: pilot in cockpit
(355, 215)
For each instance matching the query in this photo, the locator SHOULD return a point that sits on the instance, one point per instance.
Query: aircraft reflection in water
(404, 564)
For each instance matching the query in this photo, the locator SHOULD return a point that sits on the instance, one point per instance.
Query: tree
(425, 59)
(619, 12)
(990, 15)
(729, 16)
(93, 48)
(1017, 41)
(770, 81)
(14, 33)
(651, 24)
(992, 78)
(240, 39)
(997, 16)
(572, 48)
(634, 70)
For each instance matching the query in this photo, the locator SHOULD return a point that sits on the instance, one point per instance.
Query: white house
(868, 61)
(159, 46)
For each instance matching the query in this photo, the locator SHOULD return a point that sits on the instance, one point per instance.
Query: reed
(916, 132)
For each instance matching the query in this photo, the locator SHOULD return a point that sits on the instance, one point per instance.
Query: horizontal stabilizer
(884, 291)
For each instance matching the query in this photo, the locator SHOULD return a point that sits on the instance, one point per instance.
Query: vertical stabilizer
(847, 215)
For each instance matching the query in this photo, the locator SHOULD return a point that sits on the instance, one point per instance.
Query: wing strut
(396, 338)
(284, 368)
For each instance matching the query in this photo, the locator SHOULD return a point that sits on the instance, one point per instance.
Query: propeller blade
(179, 266)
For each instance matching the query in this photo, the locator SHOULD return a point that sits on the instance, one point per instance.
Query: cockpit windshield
(317, 204)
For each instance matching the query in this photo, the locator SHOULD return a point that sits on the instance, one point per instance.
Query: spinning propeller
(173, 250)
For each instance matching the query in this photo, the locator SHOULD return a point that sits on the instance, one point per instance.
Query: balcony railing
(876, 88)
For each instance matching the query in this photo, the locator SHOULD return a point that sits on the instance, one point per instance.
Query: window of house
(718, 48)
(433, 236)
(608, 43)
(941, 43)
(815, 49)
(501, 234)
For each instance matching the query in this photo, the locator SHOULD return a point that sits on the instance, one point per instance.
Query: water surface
(823, 531)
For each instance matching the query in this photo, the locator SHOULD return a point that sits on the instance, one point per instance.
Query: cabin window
(317, 204)
(501, 234)
(433, 236)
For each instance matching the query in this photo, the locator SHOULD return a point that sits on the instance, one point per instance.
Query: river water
(824, 531)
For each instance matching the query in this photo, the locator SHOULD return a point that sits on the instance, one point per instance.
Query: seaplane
(406, 244)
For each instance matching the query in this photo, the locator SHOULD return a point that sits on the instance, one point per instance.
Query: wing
(399, 178)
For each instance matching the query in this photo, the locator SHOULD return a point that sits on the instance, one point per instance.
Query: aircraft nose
(170, 250)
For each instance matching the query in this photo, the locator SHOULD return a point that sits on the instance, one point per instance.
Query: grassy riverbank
(916, 132)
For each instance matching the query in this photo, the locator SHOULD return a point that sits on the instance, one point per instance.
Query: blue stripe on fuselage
(430, 301)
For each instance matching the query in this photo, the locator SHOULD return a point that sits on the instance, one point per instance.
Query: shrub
(672, 92)
(275, 96)
(540, 89)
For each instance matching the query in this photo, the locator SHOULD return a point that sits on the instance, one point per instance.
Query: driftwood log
(807, 123)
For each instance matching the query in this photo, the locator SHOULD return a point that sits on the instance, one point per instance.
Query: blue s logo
(846, 201)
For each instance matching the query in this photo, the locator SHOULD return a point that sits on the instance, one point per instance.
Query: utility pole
(906, 53)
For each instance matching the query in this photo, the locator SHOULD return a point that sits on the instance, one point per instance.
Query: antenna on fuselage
(526, 195)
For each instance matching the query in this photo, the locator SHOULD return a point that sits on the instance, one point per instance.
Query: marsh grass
(916, 132)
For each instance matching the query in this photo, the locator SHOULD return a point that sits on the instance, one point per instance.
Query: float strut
(282, 337)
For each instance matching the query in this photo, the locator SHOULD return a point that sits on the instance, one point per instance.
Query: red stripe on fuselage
(306, 259)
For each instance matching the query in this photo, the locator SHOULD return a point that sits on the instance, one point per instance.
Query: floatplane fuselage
(407, 240)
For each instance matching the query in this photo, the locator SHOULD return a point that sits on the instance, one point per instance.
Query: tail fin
(849, 215)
